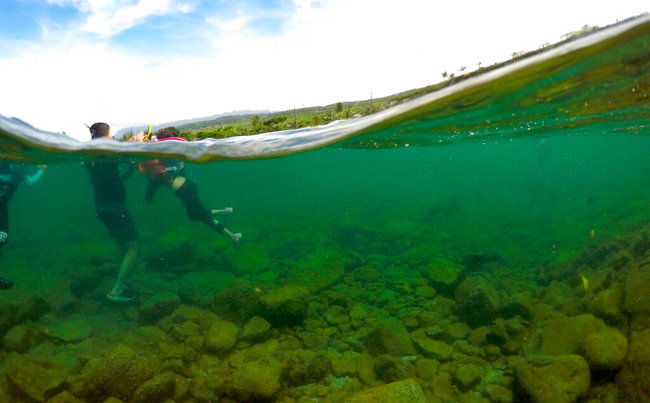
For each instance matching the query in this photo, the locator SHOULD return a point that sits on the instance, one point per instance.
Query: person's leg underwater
(123, 230)
(130, 250)
(187, 191)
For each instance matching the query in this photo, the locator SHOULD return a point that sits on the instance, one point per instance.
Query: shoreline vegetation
(297, 118)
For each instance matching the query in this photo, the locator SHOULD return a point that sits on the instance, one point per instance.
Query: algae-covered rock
(467, 376)
(389, 368)
(254, 260)
(119, 373)
(407, 390)
(499, 394)
(634, 377)
(319, 271)
(366, 369)
(418, 256)
(285, 305)
(478, 301)
(566, 335)
(389, 337)
(255, 380)
(637, 289)
(457, 331)
(158, 306)
(70, 331)
(435, 349)
(202, 317)
(553, 379)
(639, 346)
(65, 397)
(508, 334)
(336, 315)
(443, 274)
(302, 367)
(516, 305)
(221, 336)
(359, 311)
(238, 303)
(19, 338)
(30, 380)
(156, 389)
(608, 303)
(605, 350)
(425, 368)
(344, 364)
(200, 287)
(257, 329)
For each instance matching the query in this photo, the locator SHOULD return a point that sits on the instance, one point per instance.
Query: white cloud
(327, 52)
(109, 17)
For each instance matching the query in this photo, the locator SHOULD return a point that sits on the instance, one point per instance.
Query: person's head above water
(99, 130)
(165, 133)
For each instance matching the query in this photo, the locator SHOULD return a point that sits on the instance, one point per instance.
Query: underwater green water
(527, 199)
(533, 168)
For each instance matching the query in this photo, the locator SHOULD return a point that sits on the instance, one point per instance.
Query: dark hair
(164, 133)
(99, 129)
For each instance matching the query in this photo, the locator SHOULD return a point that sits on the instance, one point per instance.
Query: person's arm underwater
(30, 180)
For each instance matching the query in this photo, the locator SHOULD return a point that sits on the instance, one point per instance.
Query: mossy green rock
(442, 273)
(553, 379)
(221, 336)
(605, 350)
(407, 390)
(319, 271)
(238, 303)
(389, 368)
(255, 381)
(257, 329)
(70, 331)
(425, 368)
(389, 337)
(119, 373)
(608, 303)
(19, 338)
(499, 394)
(566, 335)
(251, 259)
(65, 397)
(633, 379)
(478, 301)
(158, 306)
(302, 367)
(156, 389)
(637, 289)
(467, 376)
(359, 311)
(418, 256)
(435, 349)
(32, 380)
(344, 364)
(639, 346)
(285, 305)
(200, 286)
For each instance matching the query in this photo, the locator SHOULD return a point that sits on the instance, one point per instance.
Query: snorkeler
(170, 173)
(11, 175)
(110, 206)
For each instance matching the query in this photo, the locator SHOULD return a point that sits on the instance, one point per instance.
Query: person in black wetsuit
(11, 176)
(170, 172)
(110, 206)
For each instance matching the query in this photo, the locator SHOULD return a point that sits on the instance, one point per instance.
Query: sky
(67, 63)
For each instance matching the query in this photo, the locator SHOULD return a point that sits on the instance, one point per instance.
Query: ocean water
(529, 176)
